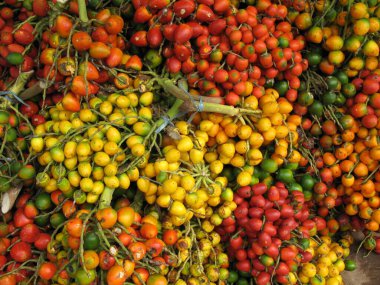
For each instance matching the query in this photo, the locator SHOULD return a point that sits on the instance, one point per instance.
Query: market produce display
(188, 142)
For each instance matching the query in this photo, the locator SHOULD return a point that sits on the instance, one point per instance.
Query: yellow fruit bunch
(100, 147)
(328, 261)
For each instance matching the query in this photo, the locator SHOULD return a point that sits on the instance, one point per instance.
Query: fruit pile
(187, 142)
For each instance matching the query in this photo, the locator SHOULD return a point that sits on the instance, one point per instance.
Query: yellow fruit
(169, 186)
(177, 209)
(101, 158)
(244, 178)
(309, 270)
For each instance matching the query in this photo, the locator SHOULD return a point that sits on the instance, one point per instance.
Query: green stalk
(174, 90)
(173, 111)
(21, 80)
(106, 198)
(208, 104)
(82, 11)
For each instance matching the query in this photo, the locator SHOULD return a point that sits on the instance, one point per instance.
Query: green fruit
(314, 58)
(340, 100)
(329, 98)
(15, 58)
(294, 187)
(332, 82)
(348, 90)
(342, 76)
(234, 276)
(269, 165)
(43, 202)
(285, 175)
(316, 109)
(281, 87)
(27, 172)
(85, 278)
(291, 166)
(4, 117)
(91, 241)
(350, 265)
(305, 98)
(153, 58)
(41, 220)
(283, 42)
(307, 182)
(11, 135)
(57, 219)
(5, 185)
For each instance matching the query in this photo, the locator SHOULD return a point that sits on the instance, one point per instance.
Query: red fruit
(287, 211)
(173, 65)
(287, 254)
(270, 229)
(272, 214)
(359, 110)
(243, 265)
(165, 16)
(142, 15)
(245, 191)
(20, 219)
(217, 27)
(374, 101)
(139, 39)
(197, 29)
(221, 6)
(181, 52)
(183, 8)
(273, 194)
(264, 239)
(221, 76)
(29, 233)
(282, 269)
(370, 86)
(158, 4)
(255, 224)
(241, 211)
(37, 119)
(23, 37)
(272, 250)
(42, 241)
(259, 188)
(21, 252)
(263, 278)
(204, 14)
(182, 34)
(40, 7)
(232, 99)
(29, 109)
(188, 66)
(154, 37)
(257, 201)
(370, 121)
(306, 256)
(236, 242)
(255, 212)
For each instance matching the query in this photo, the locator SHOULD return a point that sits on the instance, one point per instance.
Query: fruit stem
(20, 82)
(171, 114)
(33, 91)
(204, 104)
(82, 11)
(174, 90)
(106, 198)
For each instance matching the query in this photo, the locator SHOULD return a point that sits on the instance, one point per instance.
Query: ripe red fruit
(182, 34)
(29, 233)
(183, 8)
(21, 252)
